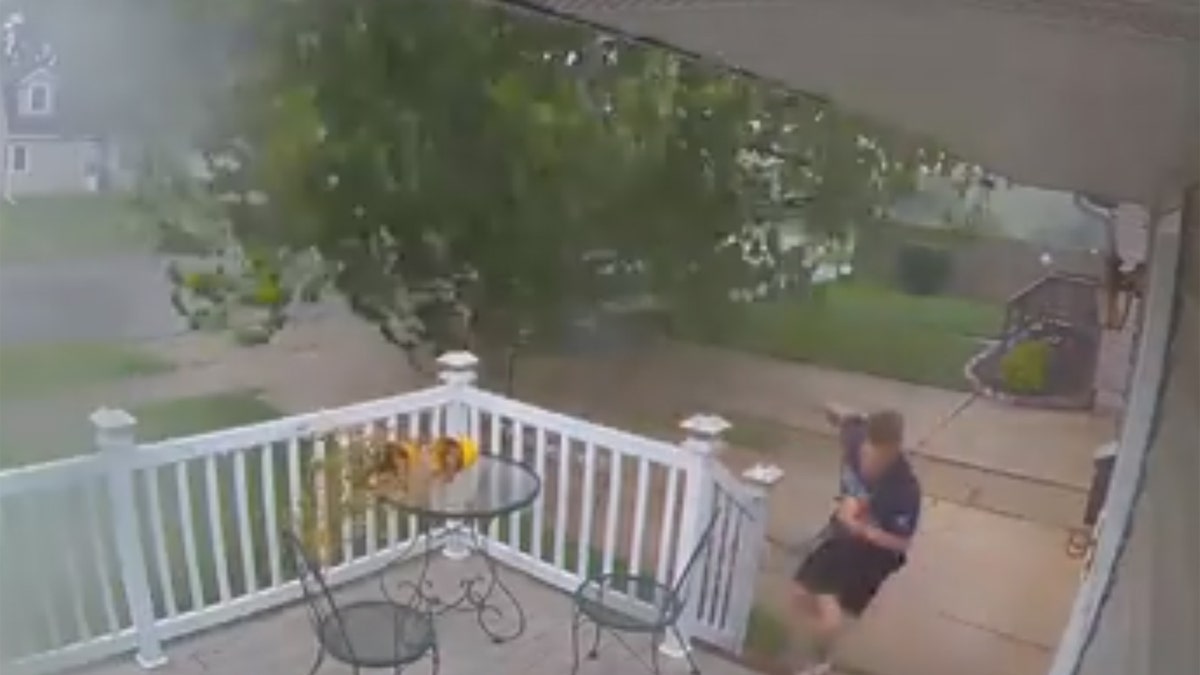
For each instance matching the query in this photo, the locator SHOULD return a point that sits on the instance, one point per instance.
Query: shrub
(1025, 368)
(923, 270)
(766, 634)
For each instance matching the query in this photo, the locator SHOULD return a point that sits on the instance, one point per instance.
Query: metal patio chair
(618, 603)
(363, 633)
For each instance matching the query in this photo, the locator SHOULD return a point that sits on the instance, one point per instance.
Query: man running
(869, 534)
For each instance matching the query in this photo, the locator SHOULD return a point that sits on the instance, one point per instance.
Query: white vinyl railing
(134, 545)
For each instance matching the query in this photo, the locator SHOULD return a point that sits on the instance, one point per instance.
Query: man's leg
(805, 602)
(829, 621)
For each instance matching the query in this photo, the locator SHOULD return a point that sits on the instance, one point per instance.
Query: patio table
(493, 487)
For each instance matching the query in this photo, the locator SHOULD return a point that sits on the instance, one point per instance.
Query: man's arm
(884, 539)
(837, 414)
(851, 514)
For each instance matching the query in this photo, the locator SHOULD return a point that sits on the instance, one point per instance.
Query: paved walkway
(678, 379)
(989, 585)
(985, 593)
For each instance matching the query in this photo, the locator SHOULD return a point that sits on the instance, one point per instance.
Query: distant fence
(983, 267)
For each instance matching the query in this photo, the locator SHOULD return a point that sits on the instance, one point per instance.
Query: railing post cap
(458, 368)
(705, 426)
(112, 420)
(458, 361)
(763, 475)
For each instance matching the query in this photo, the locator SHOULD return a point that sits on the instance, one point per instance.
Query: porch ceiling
(1097, 96)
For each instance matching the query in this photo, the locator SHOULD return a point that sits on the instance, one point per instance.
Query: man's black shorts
(850, 569)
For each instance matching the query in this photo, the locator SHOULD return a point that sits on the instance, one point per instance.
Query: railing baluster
(436, 427)
(30, 520)
(345, 515)
(734, 563)
(639, 515)
(66, 549)
(270, 503)
(294, 494)
(320, 492)
(539, 506)
(666, 534)
(717, 561)
(393, 518)
(159, 541)
(496, 448)
(588, 511)
(518, 455)
(414, 434)
(245, 538)
(183, 491)
(473, 429)
(563, 501)
(370, 528)
(613, 513)
(74, 585)
(215, 528)
(103, 574)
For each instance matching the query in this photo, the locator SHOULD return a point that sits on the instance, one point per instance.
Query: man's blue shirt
(894, 498)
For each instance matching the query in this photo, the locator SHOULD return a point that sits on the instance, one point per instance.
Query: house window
(18, 158)
(38, 99)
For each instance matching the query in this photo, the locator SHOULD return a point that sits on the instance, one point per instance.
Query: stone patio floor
(281, 641)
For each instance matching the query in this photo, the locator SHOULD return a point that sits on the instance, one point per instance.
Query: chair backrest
(679, 588)
(322, 610)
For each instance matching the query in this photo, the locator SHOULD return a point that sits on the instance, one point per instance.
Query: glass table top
(493, 486)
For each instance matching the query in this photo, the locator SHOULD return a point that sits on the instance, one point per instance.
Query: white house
(48, 145)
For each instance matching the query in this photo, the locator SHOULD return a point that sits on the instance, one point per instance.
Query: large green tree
(457, 172)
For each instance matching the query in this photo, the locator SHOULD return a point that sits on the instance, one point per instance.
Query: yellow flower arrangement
(358, 473)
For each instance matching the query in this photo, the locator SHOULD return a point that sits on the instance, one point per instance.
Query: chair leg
(687, 650)
(575, 619)
(595, 653)
(317, 664)
(655, 640)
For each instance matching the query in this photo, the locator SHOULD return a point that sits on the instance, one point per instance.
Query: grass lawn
(55, 228)
(868, 329)
(198, 414)
(38, 370)
(50, 439)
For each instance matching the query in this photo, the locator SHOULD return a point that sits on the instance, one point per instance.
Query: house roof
(68, 120)
(1097, 96)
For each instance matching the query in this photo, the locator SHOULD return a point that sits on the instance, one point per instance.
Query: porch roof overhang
(1095, 96)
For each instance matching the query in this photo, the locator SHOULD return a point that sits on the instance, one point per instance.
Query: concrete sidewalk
(989, 584)
(672, 378)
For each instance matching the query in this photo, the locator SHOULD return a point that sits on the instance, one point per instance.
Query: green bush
(1025, 368)
(766, 634)
(923, 270)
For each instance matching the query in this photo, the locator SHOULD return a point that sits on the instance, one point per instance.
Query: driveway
(109, 299)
